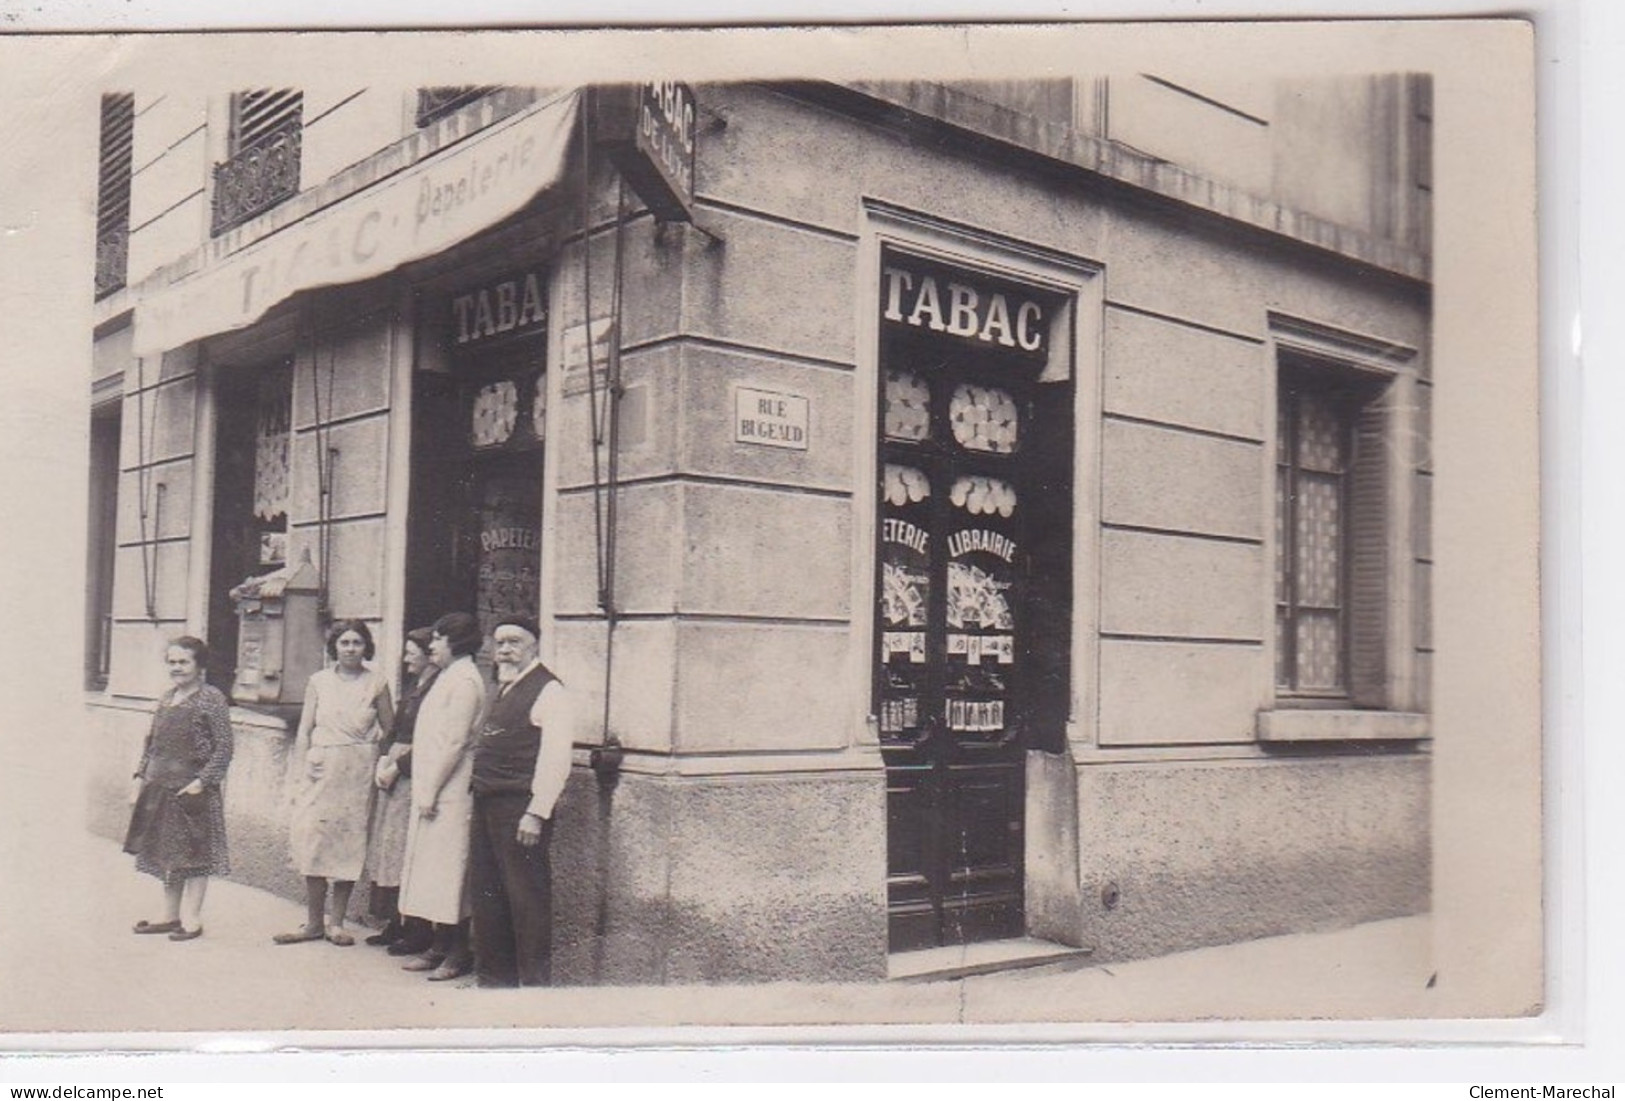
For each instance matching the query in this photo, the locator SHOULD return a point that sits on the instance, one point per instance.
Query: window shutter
(113, 192)
(117, 147)
(259, 114)
(1368, 558)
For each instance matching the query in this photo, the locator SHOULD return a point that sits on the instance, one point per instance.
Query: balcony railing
(112, 259)
(257, 177)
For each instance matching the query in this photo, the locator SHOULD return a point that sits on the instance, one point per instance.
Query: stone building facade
(984, 512)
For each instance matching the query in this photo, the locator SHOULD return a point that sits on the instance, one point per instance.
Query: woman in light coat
(433, 877)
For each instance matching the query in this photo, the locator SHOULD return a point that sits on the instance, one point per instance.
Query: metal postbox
(279, 637)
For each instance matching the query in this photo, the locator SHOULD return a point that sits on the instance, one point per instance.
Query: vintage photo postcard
(926, 526)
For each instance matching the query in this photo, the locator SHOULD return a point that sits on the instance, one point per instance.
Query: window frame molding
(1393, 370)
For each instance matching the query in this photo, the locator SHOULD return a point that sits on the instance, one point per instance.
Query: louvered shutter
(117, 149)
(113, 191)
(258, 114)
(1368, 548)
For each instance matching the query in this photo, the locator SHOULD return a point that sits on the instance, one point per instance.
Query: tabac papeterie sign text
(972, 307)
(421, 211)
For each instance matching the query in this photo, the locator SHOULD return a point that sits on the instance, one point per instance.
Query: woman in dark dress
(178, 828)
(391, 814)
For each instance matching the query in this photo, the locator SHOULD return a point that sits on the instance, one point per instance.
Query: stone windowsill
(1313, 725)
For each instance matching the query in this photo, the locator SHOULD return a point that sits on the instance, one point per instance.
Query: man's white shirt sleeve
(553, 715)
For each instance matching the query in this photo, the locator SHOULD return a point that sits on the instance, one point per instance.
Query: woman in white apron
(330, 780)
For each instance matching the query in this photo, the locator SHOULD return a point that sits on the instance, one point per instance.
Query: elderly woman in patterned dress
(178, 826)
(347, 706)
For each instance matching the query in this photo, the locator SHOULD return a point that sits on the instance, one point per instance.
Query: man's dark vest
(505, 755)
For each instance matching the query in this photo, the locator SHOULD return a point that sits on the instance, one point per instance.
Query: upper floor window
(113, 192)
(437, 103)
(261, 168)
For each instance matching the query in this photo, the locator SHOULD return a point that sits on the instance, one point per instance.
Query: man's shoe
(426, 962)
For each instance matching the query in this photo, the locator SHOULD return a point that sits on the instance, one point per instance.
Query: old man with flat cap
(521, 763)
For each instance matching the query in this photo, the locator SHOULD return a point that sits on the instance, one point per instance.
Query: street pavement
(70, 965)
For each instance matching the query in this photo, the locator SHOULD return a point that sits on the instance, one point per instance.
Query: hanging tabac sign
(648, 130)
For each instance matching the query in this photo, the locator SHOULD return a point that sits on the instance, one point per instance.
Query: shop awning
(417, 212)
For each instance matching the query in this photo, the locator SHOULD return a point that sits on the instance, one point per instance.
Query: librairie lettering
(977, 539)
(957, 306)
(510, 306)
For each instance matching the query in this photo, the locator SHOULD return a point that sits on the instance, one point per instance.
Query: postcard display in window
(481, 431)
(961, 361)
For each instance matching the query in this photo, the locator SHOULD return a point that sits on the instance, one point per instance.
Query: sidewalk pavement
(69, 962)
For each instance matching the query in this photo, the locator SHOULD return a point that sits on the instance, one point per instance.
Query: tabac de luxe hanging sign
(648, 130)
(978, 309)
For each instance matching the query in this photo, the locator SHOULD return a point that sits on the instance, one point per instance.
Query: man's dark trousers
(512, 889)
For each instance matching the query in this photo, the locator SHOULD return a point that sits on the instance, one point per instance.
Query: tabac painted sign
(973, 307)
(512, 306)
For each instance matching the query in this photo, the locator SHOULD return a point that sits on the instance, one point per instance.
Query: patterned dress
(173, 836)
(331, 777)
(392, 809)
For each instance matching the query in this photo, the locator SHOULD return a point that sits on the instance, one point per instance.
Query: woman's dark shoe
(412, 944)
(388, 935)
(145, 926)
(187, 934)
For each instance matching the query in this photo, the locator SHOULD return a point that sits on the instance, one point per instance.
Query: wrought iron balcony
(257, 177)
(112, 259)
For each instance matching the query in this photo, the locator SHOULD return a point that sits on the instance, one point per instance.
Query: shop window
(1340, 542)
(271, 437)
(261, 168)
(437, 103)
(101, 546)
(113, 192)
(973, 585)
(251, 495)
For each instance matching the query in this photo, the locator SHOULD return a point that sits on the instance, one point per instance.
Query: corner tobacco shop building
(962, 512)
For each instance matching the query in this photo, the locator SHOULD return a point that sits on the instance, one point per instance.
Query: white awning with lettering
(418, 212)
